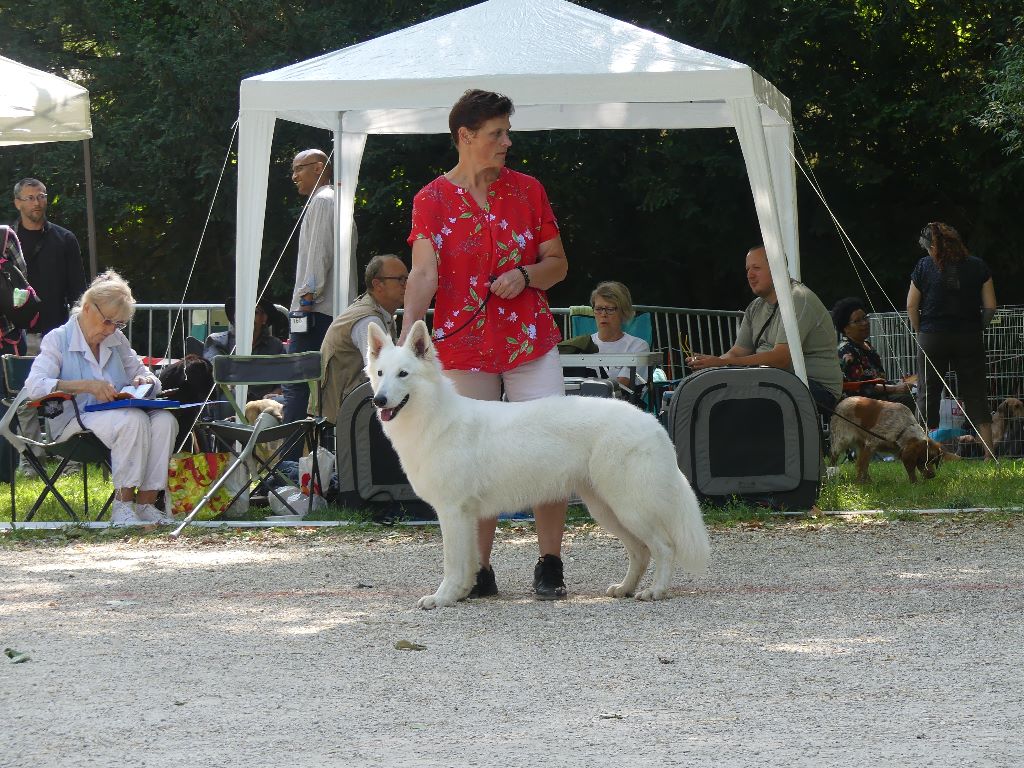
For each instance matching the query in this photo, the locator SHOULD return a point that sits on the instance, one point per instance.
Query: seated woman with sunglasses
(858, 359)
(88, 357)
(613, 307)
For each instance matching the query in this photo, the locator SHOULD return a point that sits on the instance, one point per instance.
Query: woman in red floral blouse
(485, 247)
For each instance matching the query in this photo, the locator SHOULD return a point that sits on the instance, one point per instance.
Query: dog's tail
(689, 536)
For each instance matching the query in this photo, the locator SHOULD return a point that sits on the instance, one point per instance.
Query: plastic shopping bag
(190, 476)
(325, 464)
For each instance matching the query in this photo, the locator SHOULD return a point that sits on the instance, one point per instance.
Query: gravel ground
(807, 645)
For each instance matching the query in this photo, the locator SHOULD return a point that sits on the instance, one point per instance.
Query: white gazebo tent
(37, 107)
(565, 67)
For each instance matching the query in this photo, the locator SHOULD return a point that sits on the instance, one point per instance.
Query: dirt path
(889, 644)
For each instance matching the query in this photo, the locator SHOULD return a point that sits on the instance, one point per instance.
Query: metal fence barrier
(673, 329)
(1004, 350)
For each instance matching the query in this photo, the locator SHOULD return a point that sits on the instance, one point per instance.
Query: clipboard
(132, 402)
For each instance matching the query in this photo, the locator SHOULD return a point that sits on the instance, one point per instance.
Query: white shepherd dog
(473, 459)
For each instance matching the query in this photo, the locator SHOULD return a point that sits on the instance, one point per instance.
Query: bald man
(761, 339)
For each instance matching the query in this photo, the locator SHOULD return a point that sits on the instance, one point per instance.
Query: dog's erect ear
(419, 340)
(376, 340)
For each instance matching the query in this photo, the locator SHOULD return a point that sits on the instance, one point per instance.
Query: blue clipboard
(145, 404)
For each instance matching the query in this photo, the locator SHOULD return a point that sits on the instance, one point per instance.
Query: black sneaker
(485, 586)
(548, 583)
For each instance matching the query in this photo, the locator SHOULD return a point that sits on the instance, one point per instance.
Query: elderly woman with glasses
(88, 357)
(613, 307)
(858, 359)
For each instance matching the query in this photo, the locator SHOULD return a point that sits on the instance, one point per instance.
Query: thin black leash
(472, 317)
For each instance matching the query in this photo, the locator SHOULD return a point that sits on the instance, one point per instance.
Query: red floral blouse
(471, 245)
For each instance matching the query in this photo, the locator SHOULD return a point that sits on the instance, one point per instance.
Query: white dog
(473, 459)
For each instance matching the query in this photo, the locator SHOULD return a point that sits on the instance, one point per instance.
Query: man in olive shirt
(761, 339)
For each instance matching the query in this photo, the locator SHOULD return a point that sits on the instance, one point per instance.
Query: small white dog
(472, 459)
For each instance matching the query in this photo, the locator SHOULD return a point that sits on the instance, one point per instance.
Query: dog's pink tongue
(386, 414)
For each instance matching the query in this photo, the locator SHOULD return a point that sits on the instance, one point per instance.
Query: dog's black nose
(380, 401)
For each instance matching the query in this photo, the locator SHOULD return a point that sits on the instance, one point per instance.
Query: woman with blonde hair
(90, 358)
(613, 308)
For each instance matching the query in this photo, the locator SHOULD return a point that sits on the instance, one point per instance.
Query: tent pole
(90, 211)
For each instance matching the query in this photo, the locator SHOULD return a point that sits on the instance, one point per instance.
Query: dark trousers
(965, 354)
(296, 396)
(824, 399)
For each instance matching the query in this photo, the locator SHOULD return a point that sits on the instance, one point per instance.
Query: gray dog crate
(370, 474)
(748, 433)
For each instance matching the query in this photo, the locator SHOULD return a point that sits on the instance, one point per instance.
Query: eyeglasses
(305, 165)
(605, 310)
(402, 279)
(41, 197)
(858, 321)
(107, 321)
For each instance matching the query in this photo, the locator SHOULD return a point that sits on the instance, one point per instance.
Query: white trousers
(140, 444)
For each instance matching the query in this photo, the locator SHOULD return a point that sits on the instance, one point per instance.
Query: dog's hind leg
(637, 552)
(664, 570)
(458, 534)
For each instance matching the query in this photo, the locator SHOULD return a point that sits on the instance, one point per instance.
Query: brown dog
(1006, 414)
(868, 426)
(253, 409)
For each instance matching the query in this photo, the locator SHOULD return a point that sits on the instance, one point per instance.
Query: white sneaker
(150, 514)
(123, 513)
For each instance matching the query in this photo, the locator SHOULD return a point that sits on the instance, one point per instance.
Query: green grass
(958, 485)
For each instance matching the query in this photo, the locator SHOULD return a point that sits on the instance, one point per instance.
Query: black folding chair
(193, 346)
(83, 447)
(236, 370)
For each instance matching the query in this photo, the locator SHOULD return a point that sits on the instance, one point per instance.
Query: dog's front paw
(436, 600)
(649, 595)
(618, 590)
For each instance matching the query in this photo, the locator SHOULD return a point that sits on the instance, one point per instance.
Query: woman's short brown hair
(475, 108)
(617, 294)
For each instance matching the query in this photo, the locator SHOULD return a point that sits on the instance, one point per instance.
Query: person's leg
(969, 362)
(126, 433)
(930, 375)
(480, 386)
(539, 378)
(163, 429)
(296, 396)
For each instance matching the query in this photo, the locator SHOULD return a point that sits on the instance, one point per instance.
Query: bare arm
(914, 307)
(988, 302)
(422, 285)
(776, 357)
(550, 269)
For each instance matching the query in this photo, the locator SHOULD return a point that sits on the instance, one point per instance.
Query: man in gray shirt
(761, 339)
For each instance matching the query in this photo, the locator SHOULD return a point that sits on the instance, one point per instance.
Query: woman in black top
(950, 302)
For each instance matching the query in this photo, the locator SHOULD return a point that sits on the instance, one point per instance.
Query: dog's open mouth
(387, 414)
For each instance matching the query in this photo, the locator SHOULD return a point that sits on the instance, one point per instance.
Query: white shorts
(538, 378)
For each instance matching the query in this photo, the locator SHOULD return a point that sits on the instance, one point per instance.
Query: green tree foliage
(1004, 113)
(883, 95)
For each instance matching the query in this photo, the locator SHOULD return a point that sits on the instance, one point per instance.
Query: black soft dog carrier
(370, 474)
(748, 433)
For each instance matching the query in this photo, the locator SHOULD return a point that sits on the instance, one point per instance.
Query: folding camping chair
(83, 447)
(236, 370)
(193, 346)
